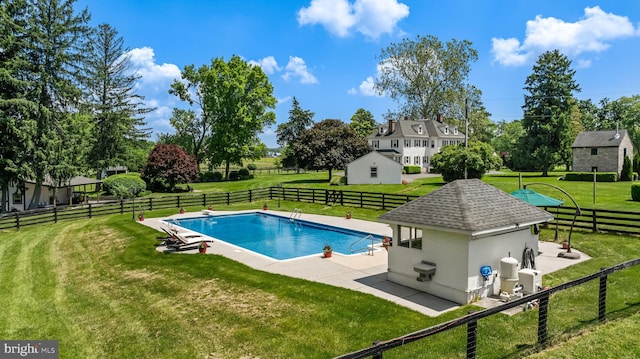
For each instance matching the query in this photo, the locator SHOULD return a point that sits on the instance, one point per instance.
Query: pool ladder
(295, 214)
(369, 248)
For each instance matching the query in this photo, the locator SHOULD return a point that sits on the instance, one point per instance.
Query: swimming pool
(275, 236)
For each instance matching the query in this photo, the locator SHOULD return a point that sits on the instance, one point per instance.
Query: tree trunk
(330, 170)
(226, 170)
(4, 198)
(36, 194)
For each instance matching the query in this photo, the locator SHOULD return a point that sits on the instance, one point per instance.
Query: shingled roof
(468, 206)
(599, 138)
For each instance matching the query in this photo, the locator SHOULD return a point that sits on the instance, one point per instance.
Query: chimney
(392, 126)
(439, 117)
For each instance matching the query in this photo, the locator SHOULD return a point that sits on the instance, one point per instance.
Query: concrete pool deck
(362, 272)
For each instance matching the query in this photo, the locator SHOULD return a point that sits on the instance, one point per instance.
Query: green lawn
(608, 195)
(100, 287)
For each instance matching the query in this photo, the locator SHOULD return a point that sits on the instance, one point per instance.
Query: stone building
(601, 151)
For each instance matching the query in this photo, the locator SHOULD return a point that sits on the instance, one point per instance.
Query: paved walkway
(362, 272)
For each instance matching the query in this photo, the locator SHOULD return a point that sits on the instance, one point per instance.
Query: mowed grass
(100, 287)
(608, 195)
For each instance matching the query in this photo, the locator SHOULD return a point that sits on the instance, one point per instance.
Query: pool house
(443, 239)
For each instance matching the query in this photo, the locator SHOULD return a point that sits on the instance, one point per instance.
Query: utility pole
(466, 132)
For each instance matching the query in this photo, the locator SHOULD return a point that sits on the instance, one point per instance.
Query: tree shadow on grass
(307, 181)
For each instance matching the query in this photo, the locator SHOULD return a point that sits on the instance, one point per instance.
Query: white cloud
(366, 88)
(283, 100)
(335, 15)
(268, 64)
(297, 68)
(371, 18)
(143, 63)
(592, 33)
(153, 85)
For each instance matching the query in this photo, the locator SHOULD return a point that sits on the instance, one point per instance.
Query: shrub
(412, 169)
(208, 176)
(635, 192)
(217, 176)
(234, 176)
(338, 180)
(244, 173)
(252, 167)
(124, 185)
(167, 166)
(588, 176)
(625, 174)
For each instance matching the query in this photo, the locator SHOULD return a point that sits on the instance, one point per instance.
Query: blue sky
(324, 52)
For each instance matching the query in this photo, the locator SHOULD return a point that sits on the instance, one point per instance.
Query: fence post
(55, 214)
(151, 203)
(594, 220)
(383, 203)
(602, 299)
(472, 331)
(250, 196)
(341, 198)
(313, 195)
(298, 194)
(228, 199)
(90, 210)
(326, 197)
(178, 197)
(378, 354)
(270, 192)
(121, 206)
(360, 199)
(542, 320)
(204, 200)
(17, 221)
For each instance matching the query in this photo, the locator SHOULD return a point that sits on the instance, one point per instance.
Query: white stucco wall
(46, 195)
(388, 171)
(458, 260)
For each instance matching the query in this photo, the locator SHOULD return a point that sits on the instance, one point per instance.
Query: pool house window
(374, 172)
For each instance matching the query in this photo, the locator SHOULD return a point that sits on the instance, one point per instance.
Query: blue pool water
(274, 236)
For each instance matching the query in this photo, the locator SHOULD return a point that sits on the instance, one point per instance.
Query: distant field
(608, 195)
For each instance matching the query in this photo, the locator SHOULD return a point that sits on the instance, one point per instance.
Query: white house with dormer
(414, 142)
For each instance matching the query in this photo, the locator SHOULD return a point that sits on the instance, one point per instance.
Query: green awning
(536, 199)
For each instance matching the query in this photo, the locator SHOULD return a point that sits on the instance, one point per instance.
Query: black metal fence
(471, 320)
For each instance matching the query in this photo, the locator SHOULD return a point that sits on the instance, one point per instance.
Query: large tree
(116, 109)
(363, 122)
(547, 110)
(16, 110)
(426, 76)
(288, 132)
(506, 140)
(167, 166)
(458, 161)
(193, 127)
(329, 145)
(236, 96)
(299, 120)
(55, 49)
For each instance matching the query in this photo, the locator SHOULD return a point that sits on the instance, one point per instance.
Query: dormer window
(455, 130)
(446, 130)
(381, 130)
(420, 129)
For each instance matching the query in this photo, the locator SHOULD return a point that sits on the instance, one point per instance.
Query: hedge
(127, 182)
(635, 192)
(588, 176)
(412, 169)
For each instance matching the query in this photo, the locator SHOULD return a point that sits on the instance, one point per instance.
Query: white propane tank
(508, 274)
